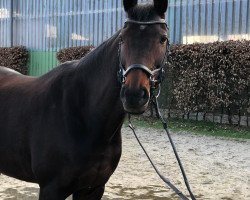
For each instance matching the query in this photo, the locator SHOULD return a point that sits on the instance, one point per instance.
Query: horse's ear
(161, 6)
(128, 4)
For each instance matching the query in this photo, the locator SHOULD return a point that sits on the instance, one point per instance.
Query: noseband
(155, 76)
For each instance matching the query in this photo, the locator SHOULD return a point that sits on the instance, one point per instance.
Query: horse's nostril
(142, 93)
(134, 98)
(145, 94)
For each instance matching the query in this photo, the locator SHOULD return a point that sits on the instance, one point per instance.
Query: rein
(165, 180)
(154, 83)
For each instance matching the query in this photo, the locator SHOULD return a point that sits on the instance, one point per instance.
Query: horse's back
(4, 71)
(11, 77)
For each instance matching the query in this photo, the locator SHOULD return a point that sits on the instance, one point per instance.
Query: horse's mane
(103, 50)
(144, 12)
(66, 72)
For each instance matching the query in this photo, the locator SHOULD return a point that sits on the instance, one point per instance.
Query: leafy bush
(73, 53)
(211, 77)
(15, 58)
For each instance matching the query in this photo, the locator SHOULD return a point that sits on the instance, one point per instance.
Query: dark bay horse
(63, 130)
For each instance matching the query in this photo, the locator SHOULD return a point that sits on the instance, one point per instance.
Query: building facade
(46, 26)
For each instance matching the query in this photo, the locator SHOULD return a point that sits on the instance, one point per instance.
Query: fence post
(11, 22)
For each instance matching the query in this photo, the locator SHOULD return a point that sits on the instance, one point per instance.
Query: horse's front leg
(52, 192)
(90, 194)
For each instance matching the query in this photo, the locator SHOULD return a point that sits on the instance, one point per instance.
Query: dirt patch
(216, 168)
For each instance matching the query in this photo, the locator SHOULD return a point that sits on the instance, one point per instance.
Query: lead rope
(166, 180)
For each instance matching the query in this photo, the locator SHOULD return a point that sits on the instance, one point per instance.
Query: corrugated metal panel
(48, 25)
(5, 23)
(52, 25)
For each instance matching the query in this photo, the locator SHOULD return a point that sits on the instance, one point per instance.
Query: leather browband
(160, 21)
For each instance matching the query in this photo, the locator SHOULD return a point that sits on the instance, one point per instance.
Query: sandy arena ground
(218, 169)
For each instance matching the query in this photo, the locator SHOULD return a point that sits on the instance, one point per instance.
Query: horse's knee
(52, 193)
(91, 194)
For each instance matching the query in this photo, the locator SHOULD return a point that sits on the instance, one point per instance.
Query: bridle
(155, 76)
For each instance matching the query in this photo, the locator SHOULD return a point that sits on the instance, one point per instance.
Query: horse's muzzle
(135, 101)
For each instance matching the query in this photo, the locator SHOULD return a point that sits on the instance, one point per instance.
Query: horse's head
(143, 50)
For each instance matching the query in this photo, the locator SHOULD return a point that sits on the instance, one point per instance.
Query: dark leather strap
(166, 180)
(160, 21)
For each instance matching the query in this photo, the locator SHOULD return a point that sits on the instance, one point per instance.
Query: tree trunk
(204, 116)
(239, 114)
(221, 116)
(229, 115)
(197, 114)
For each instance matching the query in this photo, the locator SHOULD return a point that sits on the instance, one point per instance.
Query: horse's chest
(100, 167)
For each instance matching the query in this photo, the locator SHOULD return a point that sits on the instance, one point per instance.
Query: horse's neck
(98, 73)
(99, 90)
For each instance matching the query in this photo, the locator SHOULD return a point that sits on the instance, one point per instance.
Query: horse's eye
(163, 39)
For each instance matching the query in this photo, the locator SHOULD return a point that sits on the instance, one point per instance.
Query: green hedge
(203, 78)
(73, 53)
(15, 58)
(210, 77)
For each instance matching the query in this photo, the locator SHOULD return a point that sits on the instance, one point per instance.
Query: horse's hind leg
(91, 194)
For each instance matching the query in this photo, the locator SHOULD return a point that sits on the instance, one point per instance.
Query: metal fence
(49, 25)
